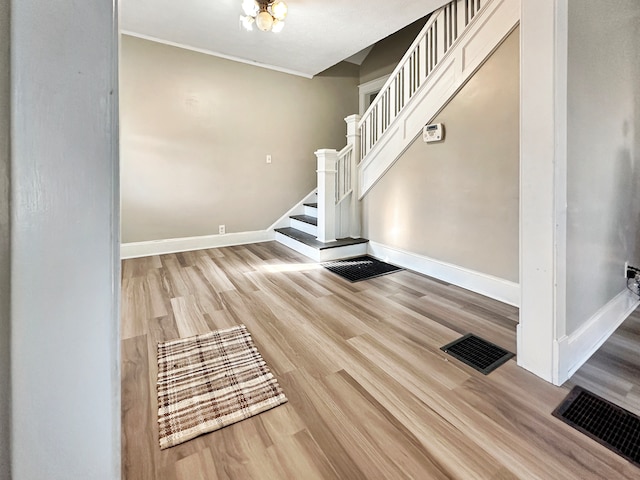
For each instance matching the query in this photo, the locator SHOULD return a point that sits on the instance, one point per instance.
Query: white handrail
(429, 48)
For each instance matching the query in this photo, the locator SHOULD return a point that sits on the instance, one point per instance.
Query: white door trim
(368, 88)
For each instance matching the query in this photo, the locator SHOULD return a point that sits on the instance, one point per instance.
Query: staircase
(453, 44)
(302, 236)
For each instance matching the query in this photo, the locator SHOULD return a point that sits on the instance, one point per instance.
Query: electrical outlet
(268, 158)
(631, 271)
(222, 229)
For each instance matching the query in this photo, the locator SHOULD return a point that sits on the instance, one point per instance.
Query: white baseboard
(173, 245)
(488, 285)
(572, 351)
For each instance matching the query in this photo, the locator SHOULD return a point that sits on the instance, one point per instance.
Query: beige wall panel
(457, 201)
(195, 132)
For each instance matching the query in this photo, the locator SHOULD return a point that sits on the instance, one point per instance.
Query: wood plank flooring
(371, 396)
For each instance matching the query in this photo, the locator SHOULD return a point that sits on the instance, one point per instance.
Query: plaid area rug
(210, 381)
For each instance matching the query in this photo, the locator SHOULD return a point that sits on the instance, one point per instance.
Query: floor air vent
(606, 423)
(360, 268)
(478, 353)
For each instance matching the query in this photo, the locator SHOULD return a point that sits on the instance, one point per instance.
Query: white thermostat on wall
(432, 133)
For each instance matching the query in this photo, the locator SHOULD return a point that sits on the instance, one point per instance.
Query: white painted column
(5, 246)
(543, 183)
(65, 265)
(353, 138)
(327, 161)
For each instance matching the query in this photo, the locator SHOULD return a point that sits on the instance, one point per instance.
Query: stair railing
(344, 169)
(338, 189)
(338, 204)
(439, 34)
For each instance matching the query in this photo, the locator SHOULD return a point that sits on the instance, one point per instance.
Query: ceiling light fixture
(268, 15)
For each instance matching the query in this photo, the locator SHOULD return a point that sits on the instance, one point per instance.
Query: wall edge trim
(575, 349)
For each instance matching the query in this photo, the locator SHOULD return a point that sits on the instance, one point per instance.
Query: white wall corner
(543, 211)
(575, 349)
(482, 283)
(175, 245)
(543, 157)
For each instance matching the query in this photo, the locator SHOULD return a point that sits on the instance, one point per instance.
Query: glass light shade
(264, 21)
(250, 7)
(278, 25)
(247, 22)
(279, 9)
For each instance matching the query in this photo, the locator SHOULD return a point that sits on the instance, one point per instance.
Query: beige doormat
(210, 381)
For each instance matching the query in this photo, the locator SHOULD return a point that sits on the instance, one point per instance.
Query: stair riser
(343, 252)
(299, 247)
(304, 227)
(322, 255)
(311, 211)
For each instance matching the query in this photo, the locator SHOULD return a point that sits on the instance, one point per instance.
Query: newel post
(353, 138)
(327, 161)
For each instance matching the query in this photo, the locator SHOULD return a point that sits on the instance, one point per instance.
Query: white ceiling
(317, 35)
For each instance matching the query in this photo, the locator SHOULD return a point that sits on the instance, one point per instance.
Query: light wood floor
(370, 393)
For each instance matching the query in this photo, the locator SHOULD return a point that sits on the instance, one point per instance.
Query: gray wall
(457, 201)
(65, 266)
(603, 166)
(5, 318)
(196, 130)
(387, 53)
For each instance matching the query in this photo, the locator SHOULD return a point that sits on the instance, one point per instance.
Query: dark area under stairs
(305, 219)
(311, 241)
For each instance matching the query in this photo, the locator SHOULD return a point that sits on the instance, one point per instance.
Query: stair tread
(311, 241)
(305, 219)
(312, 205)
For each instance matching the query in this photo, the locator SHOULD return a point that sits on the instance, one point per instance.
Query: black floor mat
(360, 268)
(606, 423)
(478, 353)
